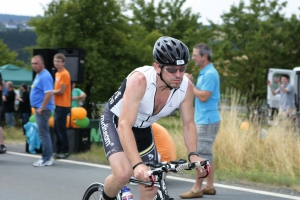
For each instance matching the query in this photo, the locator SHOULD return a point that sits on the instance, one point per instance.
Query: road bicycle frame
(157, 174)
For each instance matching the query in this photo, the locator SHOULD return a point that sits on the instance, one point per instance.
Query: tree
(113, 46)
(251, 40)
(168, 17)
(8, 56)
(17, 39)
(2, 26)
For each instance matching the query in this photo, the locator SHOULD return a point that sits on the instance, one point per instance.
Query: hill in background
(6, 18)
(15, 33)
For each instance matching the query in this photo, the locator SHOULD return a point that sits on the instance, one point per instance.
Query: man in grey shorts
(207, 116)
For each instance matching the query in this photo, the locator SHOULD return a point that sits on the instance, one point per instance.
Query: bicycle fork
(163, 192)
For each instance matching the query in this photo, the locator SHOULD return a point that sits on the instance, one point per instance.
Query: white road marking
(240, 188)
(170, 177)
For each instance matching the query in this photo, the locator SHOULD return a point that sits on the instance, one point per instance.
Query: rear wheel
(93, 192)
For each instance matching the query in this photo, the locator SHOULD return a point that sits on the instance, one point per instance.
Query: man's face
(173, 74)
(284, 80)
(8, 87)
(37, 64)
(58, 63)
(198, 59)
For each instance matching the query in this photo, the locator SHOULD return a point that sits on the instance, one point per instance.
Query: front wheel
(94, 191)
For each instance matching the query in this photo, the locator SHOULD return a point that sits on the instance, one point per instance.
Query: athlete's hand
(140, 172)
(195, 158)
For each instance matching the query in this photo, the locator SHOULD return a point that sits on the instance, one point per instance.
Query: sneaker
(2, 149)
(49, 162)
(62, 156)
(42, 163)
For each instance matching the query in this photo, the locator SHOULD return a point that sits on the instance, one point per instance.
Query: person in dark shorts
(147, 94)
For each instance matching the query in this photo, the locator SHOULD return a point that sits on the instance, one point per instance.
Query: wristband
(137, 164)
(191, 154)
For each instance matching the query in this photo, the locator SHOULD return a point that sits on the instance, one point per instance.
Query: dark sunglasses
(173, 70)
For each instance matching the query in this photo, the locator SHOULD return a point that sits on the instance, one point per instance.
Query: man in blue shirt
(287, 95)
(207, 116)
(41, 98)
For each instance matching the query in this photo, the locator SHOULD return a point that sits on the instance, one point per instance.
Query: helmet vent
(169, 47)
(182, 47)
(174, 43)
(174, 58)
(178, 52)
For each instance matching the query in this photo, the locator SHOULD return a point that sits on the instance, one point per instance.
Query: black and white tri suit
(142, 127)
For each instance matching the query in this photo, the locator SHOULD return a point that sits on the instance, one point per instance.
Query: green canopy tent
(15, 74)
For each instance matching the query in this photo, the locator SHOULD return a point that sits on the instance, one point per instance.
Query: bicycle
(157, 174)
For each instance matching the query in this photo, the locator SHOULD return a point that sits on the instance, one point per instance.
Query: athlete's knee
(122, 174)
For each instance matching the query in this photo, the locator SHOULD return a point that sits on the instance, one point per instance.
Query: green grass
(14, 135)
(95, 155)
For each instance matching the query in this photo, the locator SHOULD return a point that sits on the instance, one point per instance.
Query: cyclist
(147, 94)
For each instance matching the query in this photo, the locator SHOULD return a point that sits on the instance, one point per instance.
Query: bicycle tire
(94, 191)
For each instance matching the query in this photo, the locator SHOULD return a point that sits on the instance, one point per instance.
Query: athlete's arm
(135, 90)
(189, 126)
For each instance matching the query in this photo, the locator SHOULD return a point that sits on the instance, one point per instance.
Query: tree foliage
(251, 40)
(113, 47)
(167, 17)
(17, 39)
(8, 56)
(170, 19)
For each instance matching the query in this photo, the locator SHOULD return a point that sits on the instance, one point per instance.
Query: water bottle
(126, 194)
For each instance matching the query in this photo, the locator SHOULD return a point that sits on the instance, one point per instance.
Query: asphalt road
(67, 180)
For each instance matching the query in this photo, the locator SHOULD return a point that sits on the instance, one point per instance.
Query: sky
(208, 9)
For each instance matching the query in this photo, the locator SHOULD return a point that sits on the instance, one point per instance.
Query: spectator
(207, 117)
(2, 146)
(41, 98)
(77, 96)
(62, 100)
(274, 84)
(24, 105)
(287, 95)
(4, 92)
(9, 104)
